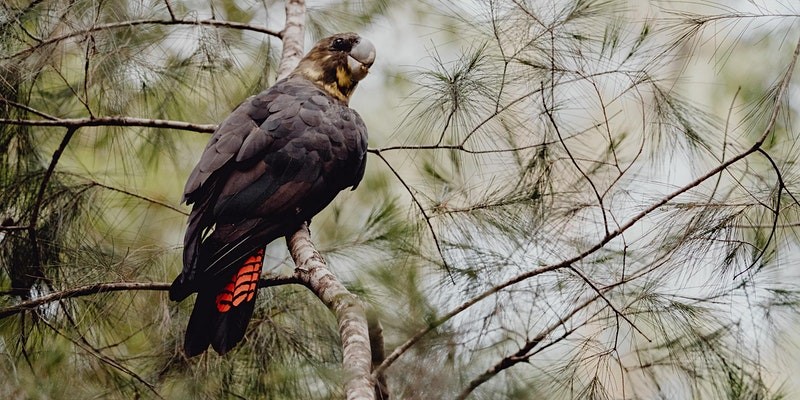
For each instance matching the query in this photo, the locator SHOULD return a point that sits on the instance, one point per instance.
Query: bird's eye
(340, 44)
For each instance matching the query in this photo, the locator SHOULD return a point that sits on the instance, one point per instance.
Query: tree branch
(422, 210)
(138, 196)
(86, 346)
(293, 35)
(112, 121)
(523, 354)
(79, 292)
(37, 206)
(378, 350)
(353, 326)
(105, 287)
(127, 24)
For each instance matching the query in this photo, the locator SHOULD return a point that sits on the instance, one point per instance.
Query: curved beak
(361, 58)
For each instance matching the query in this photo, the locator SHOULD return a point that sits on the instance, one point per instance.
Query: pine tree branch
(105, 287)
(399, 350)
(81, 291)
(523, 354)
(112, 121)
(86, 346)
(549, 112)
(138, 196)
(127, 24)
(353, 326)
(378, 350)
(37, 205)
(422, 210)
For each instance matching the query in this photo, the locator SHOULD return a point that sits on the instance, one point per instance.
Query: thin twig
(87, 290)
(37, 205)
(105, 359)
(106, 287)
(138, 196)
(421, 210)
(127, 24)
(553, 122)
(608, 302)
(170, 11)
(112, 121)
(28, 109)
(523, 353)
(399, 350)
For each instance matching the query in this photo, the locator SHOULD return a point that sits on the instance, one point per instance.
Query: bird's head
(337, 63)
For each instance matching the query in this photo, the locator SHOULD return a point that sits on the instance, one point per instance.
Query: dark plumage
(274, 163)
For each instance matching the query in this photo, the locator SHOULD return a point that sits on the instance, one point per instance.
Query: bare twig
(551, 118)
(87, 290)
(112, 121)
(378, 350)
(37, 205)
(28, 109)
(608, 302)
(105, 287)
(105, 359)
(422, 210)
(399, 350)
(138, 196)
(170, 10)
(523, 354)
(127, 24)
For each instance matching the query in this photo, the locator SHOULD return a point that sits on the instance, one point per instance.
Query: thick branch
(353, 327)
(293, 35)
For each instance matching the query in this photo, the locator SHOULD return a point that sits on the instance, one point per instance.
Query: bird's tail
(220, 316)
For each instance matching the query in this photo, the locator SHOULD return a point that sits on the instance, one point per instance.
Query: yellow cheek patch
(343, 77)
(334, 91)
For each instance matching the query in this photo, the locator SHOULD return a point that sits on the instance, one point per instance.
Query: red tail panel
(243, 284)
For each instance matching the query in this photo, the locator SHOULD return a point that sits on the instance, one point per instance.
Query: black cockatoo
(276, 161)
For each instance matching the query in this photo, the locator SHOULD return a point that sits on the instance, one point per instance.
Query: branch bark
(104, 287)
(79, 292)
(293, 35)
(127, 24)
(112, 121)
(353, 327)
